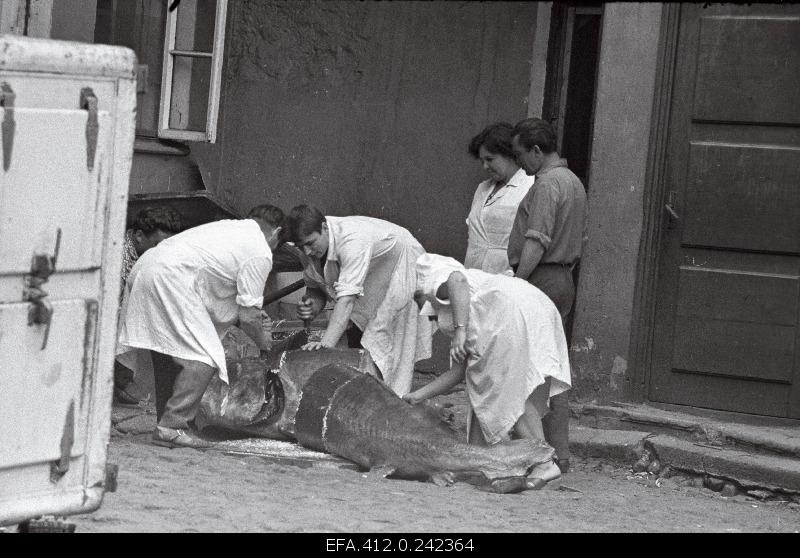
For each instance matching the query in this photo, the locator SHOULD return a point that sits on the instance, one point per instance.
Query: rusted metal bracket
(7, 97)
(89, 103)
(59, 468)
(41, 310)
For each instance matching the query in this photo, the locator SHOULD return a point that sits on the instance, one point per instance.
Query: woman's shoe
(542, 475)
(177, 438)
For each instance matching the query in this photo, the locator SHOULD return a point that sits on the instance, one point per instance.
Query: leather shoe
(177, 438)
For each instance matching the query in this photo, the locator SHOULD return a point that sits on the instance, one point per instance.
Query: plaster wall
(601, 336)
(73, 20)
(367, 108)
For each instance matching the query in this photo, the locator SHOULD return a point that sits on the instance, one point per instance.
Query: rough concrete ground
(184, 490)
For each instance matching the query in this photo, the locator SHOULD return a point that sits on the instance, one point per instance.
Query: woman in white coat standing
(496, 199)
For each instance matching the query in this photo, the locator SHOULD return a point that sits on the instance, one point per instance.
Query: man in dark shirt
(546, 242)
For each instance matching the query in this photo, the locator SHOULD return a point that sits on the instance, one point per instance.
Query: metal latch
(89, 103)
(669, 207)
(7, 97)
(41, 310)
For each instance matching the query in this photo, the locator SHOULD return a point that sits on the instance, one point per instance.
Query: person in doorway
(367, 266)
(495, 202)
(546, 242)
(151, 226)
(181, 297)
(507, 344)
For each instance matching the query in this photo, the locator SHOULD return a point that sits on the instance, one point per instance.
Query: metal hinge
(7, 97)
(89, 103)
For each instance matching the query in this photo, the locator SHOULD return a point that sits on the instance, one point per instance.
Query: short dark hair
(159, 217)
(302, 221)
(535, 131)
(495, 138)
(270, 214)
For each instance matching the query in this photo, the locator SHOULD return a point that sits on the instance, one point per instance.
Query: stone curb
(750, 471)
(699, 429)
(619, 445)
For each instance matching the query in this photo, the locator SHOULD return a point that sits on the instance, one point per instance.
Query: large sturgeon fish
(329, 401)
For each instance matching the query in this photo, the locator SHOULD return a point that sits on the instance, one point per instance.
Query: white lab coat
(375, 260)
(516, 331)
(184, 293)
(489, 223)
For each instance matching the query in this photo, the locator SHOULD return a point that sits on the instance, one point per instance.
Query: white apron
(394, 333)
(183, 294)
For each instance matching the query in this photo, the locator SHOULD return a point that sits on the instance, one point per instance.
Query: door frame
(653, 222)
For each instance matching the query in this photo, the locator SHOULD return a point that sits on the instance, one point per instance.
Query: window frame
(212, 112)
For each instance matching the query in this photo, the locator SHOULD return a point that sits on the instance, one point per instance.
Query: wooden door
(727, 331)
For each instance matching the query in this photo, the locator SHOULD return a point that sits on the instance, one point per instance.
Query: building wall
(367, 108)
(73, 20)
(604, 309)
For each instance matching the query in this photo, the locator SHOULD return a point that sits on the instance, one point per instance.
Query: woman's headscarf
(432, 271)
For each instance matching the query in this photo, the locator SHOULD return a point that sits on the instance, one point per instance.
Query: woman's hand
(412, 398)
(459, 351)
(458, 345)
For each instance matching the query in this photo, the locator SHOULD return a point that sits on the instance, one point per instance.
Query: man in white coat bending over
(180, 298)
(368, 267)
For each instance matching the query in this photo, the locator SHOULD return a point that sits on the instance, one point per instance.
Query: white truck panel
(67, 128)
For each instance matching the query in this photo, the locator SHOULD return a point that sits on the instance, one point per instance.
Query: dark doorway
(570, 88)
(571, 80)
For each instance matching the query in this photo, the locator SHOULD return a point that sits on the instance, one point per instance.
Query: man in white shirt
(368, 267)
(181, 296)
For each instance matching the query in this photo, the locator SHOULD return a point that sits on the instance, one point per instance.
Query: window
(179, 45)
(192, 69)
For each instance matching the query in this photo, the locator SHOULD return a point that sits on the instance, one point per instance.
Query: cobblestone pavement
(185, 490)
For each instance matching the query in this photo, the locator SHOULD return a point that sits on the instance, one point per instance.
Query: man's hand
(309, 308)
(315, 346)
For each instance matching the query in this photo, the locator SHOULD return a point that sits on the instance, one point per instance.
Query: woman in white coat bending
(496, 199)
(508, 346)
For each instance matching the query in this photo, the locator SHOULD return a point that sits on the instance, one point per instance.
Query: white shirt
(375, 261)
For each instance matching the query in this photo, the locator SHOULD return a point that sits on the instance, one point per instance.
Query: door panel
(43, 162)
(743, 61)
(743, 196)
(38, 379)
(727, 331)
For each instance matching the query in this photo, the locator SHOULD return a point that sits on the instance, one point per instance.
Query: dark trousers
(178, 391)
(354, 335)
(556, 281)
